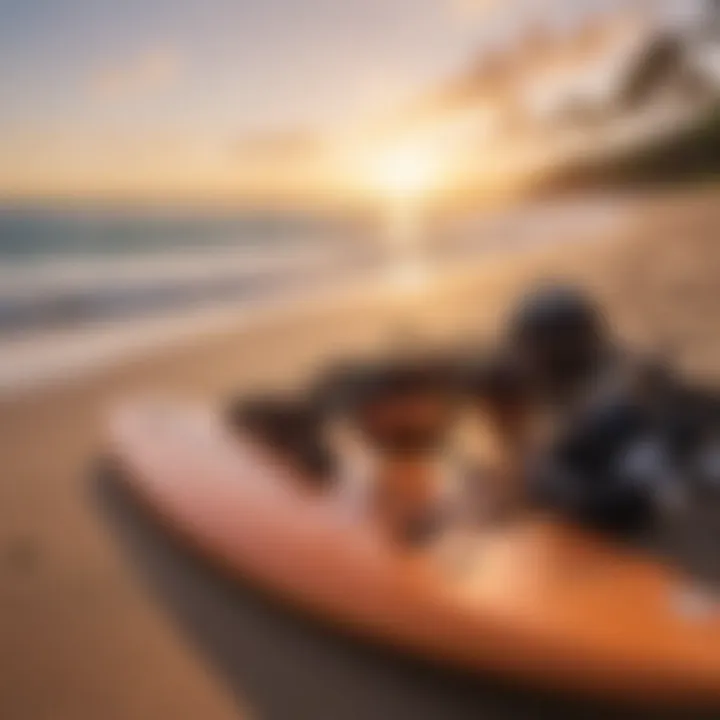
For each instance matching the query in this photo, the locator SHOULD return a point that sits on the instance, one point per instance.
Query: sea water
(85, 285)
(62, 268)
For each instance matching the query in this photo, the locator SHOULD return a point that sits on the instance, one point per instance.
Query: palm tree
(662, 62)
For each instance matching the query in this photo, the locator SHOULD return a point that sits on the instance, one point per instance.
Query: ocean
(62, 268)
(84, 286)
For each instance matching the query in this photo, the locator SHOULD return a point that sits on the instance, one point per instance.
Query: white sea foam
(48, 278)
(32, 360)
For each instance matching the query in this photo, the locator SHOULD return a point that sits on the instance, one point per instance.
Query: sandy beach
(80, 639)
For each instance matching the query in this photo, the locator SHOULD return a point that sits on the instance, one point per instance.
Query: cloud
(282, 145)
(521, 11)
(472, 8)
(148, 72)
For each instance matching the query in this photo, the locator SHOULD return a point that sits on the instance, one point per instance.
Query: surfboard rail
(540, 602)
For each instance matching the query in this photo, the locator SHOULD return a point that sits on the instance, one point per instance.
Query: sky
(106, 95)
(182, 97)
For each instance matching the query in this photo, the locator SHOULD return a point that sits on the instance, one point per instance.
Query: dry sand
(81, 640)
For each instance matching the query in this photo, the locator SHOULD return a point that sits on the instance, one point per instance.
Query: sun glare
(405, 173)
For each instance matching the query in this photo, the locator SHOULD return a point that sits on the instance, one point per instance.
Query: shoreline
(31, 360)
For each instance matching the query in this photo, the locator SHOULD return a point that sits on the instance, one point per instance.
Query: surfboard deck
(538, 601)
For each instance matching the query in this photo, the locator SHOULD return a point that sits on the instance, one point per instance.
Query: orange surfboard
(536, 602)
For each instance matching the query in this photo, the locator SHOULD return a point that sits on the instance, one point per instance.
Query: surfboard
(537, 601)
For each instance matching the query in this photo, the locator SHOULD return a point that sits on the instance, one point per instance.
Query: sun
(405, 173)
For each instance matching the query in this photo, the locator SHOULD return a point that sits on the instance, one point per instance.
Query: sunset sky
(183, 97)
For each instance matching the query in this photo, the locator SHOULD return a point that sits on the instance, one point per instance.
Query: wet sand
(80, 636)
